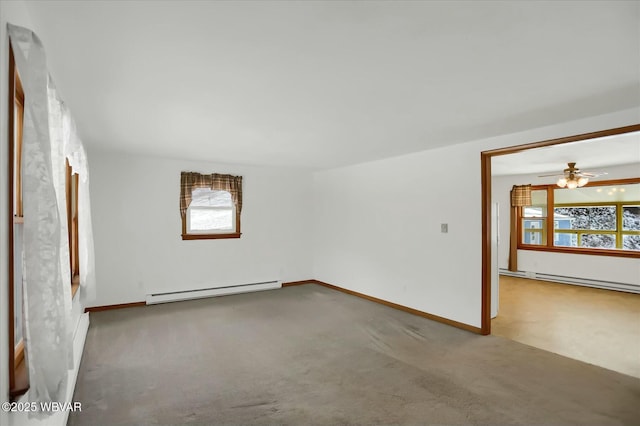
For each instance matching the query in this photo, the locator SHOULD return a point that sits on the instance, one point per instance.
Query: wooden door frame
(485, 158)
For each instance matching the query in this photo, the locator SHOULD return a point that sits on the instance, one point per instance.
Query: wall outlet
(444, 228)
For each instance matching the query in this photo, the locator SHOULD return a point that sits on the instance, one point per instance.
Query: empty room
(585, 307)
(319, 212)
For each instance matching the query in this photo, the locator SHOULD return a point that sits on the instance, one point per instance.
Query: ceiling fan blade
(555, 174)
(592, 174)
(572, 170)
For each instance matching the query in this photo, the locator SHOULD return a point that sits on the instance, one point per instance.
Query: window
(18, 371)
(210, 212)
(603, 218)
(534, 219)
(210, 205)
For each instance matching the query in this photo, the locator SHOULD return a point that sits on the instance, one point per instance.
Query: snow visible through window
(631, 222)
(210, 211)
(600, 218)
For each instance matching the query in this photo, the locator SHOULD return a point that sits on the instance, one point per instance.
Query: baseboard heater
(176, 296)
(607, 285)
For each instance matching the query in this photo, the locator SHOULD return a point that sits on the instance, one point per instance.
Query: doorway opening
(538, 308)
(486, 182)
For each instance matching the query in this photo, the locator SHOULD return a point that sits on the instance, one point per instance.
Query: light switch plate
(444, 228)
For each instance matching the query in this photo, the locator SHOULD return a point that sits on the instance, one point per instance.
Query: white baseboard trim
(59, 418)
(79, 339)
(176, 296)
(586, 282)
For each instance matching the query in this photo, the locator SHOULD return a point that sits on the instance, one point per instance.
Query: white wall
(604, 268)
(137, 228)
(377, 225)
(378, 231)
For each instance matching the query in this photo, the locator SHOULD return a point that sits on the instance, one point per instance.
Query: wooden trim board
(138, 304)
(10, 237)
(294, 283)
(118, 306)
(427, 315)
(18, 369)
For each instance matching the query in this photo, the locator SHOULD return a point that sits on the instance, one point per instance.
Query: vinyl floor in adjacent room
(601, 327)
(309, 355)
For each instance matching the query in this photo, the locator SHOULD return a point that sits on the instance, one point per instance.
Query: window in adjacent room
(602, 218)
(534, 219)
(210, 205)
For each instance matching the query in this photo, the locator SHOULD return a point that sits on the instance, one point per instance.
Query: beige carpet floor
(311, 355)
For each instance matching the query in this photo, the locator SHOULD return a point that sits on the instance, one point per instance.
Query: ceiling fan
(572, 177)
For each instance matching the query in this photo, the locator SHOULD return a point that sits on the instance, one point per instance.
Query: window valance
(520, 195)
(217, 182)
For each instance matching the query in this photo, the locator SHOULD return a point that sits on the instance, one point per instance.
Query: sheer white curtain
(74, 151)
(48, 137)
(67, 145)
(58, 175)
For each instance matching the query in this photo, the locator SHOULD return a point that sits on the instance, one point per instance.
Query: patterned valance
(520, 195)
(216, 182)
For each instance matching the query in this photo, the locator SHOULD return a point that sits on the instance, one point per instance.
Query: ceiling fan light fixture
(572, 177)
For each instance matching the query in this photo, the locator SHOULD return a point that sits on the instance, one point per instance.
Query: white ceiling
(589, 155)
(323, 84)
